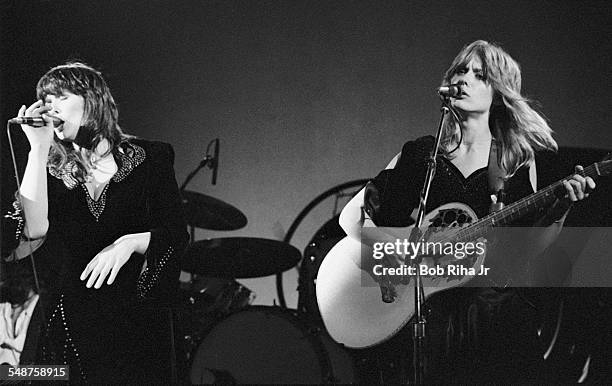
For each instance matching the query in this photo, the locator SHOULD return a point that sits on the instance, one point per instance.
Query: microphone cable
(25, 223)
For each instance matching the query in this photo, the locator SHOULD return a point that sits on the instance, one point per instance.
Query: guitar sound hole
(449, 217)
(462, 219)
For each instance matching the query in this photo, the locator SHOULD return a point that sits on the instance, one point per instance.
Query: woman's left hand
(112, 258)
(578, 186)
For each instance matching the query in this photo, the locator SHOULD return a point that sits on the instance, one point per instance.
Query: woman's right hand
(39, 137)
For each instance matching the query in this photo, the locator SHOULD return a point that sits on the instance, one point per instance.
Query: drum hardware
(216, 306)
(338, 192)
(239, 257)
(271, 345)
(207, 300)
(323, 240)
(202, 211)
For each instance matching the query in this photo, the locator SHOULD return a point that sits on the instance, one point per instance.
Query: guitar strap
(497, 178)
(497, 185)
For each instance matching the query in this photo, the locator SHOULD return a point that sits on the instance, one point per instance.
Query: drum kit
(227, 338)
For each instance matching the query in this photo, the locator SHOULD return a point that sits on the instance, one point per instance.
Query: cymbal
(202, 211)
(239, 257)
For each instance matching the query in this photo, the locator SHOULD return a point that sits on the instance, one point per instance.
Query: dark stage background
(304, 95)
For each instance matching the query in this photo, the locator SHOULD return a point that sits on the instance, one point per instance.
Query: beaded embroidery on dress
(68, 353)
(16, 214)
(149, 278)
(96, 207)
(105, 324)
(129, 156)
(132, 156)
(66, 174)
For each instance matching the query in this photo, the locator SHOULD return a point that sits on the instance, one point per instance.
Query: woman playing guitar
(490, 113)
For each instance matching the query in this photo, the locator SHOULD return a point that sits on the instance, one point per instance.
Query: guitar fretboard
(530, 204)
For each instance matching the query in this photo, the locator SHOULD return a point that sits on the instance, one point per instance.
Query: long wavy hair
(517, 127)
(100, 114)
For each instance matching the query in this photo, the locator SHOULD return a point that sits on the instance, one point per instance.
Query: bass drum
(207, 300)
(322, 242)
(271, 345)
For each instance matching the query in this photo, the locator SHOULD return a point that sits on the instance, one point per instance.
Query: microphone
(35, 121)
(215, 162)
(450, 91)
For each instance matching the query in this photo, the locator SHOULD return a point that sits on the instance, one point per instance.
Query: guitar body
(350, 299)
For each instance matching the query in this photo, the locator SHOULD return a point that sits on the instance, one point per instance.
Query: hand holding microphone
(36, 124)
(36, 121)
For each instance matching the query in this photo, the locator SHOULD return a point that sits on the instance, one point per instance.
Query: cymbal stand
(210, 161)
(206, 161)
(190, 176)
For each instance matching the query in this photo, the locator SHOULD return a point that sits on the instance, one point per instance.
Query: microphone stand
(420, 324)
(190, 176)
(207, 160)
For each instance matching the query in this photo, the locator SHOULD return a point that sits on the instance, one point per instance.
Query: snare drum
(271, 345)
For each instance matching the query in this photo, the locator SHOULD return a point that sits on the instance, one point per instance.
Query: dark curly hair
(100, 117)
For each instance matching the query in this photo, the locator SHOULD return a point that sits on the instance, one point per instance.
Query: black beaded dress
(468, 338)
(93, 330)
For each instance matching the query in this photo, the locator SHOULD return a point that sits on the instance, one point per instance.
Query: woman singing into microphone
(490, 113)
(113, 202)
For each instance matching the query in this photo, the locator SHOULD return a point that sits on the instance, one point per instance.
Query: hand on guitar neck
(349, 301)
(575, 188)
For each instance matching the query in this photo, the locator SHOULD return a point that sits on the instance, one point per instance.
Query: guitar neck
(527, 205)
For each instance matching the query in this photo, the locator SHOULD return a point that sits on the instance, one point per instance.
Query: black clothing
(93, 330)
(467, 336)
(399, 188)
